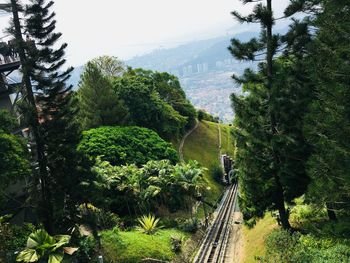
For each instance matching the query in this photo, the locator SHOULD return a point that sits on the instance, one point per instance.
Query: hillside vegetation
(203, 146)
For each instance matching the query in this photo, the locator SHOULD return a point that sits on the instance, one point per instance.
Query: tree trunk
(273, 123)
(34, 123)
(280, 205)
(330, 211)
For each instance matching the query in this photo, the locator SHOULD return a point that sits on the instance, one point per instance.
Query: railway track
(215, 241)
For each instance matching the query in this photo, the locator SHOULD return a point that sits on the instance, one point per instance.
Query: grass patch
(227, 142)
(203, 146)
(254, 238)
(133, 246)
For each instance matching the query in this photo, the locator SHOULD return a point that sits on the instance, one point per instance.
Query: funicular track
(215, 241)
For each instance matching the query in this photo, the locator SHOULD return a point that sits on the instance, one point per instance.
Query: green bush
(217, 172)
(284, 247)
(340, 229)
(13, 238)
(302, 212)
(87, 249)
(176, 243)
(98, 217)
(189, 225)
(126, 145)
(203, 115)
(281, 246)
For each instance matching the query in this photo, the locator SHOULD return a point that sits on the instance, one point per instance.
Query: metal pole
(100, 259)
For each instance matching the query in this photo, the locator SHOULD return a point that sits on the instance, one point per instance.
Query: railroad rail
(214, 244)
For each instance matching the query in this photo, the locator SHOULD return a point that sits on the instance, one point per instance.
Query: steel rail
(213, 246)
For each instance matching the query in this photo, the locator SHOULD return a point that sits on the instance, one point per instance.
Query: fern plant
(148, 224)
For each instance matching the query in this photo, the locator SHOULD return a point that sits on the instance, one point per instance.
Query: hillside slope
(203, 146)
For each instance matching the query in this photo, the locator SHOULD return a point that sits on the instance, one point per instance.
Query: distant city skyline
(126, 28)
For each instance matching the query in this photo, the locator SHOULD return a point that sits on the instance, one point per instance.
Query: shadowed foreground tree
(56, 108)
(327, 125)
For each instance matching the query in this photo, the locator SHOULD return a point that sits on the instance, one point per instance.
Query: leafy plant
(40, 245)
(148, 224)
(12, 238)
(217, 173)
(176, 243)
(189, 225)
(87, 249)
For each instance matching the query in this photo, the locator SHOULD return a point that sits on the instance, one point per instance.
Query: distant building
(199, 68)
(189, 69)
(205, 67)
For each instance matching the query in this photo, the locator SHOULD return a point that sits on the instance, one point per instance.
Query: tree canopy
(147, 108)
(140, 190)
(14, 162)
(99, 105)
(126, 145)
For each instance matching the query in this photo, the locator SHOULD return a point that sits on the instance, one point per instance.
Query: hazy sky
(126, 28)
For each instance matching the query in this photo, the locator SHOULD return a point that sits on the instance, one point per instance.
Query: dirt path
(181, 146)
(219, 139)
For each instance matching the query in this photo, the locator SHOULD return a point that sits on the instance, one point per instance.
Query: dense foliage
(146, 108)
(109, 95)
(12, 238)
(284, 246)
(99, 105)
(203, 115)
(43, 247)
(271, 148)
(327, 125)
(170, 91)
(126, 145)
(132, 190)
(14, 163)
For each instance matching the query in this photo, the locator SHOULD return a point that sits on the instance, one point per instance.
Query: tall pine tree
(327, 125)
(58, 128)
(99, 104)
(271, 147)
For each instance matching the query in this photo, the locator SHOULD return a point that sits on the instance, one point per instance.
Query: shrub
(203, 115)
(217, 173)
(13, 238)
(176, 243)
(281, 246)
(87, 249)
(98, 217)
(305, 212)
(189, 225)
(148, 224)
(126, 145)
(41, 246)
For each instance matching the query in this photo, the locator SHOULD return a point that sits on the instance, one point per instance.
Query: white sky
(126, 28)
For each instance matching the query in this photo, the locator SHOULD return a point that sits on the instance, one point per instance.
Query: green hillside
(203, 146)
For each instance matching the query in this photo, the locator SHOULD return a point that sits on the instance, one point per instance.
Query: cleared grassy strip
(203, 146)
(227, 142)
(254, 238)
(133, 246)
